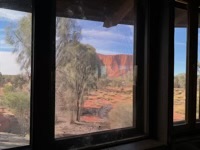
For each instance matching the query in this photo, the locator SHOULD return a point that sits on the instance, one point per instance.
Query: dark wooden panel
(43, 75)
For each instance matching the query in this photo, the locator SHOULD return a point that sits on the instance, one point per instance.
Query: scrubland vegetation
(84, 97)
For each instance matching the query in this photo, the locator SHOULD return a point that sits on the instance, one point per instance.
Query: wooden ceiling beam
(119, 15)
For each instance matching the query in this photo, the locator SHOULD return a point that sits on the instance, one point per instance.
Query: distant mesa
(115, 65)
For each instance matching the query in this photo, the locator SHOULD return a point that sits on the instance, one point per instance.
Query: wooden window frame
(154, 36)
(43, 95)
(190, 126)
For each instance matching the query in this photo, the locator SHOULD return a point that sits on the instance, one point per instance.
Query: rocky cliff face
(115, 65)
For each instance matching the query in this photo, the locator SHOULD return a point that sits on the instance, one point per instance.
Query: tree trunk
(80, 103)
(79, 107)
(78, 111)
(73, 115)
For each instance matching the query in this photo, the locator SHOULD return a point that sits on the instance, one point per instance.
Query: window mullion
(43, 68)
(191, 74)
(139, 60)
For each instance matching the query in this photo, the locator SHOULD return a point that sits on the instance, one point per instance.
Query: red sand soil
(102, 97)
(113, 96)
(178, 117)
(91, 119)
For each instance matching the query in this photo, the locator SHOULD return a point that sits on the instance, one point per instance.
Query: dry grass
(121, 112)
(121, 116)
(179, 104)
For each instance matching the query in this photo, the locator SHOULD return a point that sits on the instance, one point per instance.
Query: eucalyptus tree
(76, 63)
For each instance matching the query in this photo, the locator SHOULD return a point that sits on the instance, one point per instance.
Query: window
(95, 70)
(15, 76)
(94, 62)
(180, 52)
(190, 77)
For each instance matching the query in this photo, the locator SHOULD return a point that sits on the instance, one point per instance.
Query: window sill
(139, 145)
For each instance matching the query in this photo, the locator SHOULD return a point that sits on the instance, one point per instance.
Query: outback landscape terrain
(179, 104)
(107, 106)
(94, 92)
(104, 107)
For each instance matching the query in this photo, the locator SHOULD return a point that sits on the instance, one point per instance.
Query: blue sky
(115, 40)
(180, 37)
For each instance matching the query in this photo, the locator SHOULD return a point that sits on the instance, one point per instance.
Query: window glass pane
(198, 75)
(15, 75)
(94, 71)
(180, 65)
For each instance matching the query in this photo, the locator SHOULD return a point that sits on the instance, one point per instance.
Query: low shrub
(121, 116)
(19, 104)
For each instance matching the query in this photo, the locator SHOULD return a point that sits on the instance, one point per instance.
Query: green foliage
(128, 77)
(68, 34)
(76, 62)
(179, 81)
(103, 82)
(19, 104)
(117, 82)
(1, 79)
(78, 71)
(20, 38)
(8, 88)
(8, 78)
(19, 81)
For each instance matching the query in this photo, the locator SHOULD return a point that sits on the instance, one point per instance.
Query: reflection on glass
(182, 1)
(180, 65)
(94, 77)
(15, 64)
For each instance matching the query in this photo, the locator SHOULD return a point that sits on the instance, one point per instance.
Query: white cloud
(99, 34)
(97, 43)
(180, 43)
(4, 45)
(11, 14)
(131, 28)
(2, 42)
(107, 40)
(108, 52)
(8, 64)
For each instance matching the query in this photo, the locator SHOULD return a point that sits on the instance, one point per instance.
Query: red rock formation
(116, 65)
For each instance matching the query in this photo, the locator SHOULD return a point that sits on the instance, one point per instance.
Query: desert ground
(120, 98)
(115, 97)
(92, 122)
(179, 104)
